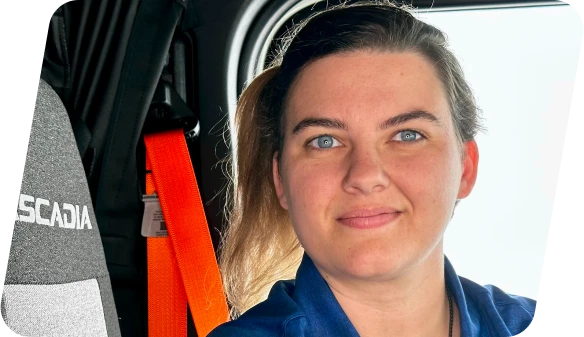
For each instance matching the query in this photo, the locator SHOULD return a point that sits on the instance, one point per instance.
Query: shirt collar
(326, 317)
(467, 326)
(324, 314)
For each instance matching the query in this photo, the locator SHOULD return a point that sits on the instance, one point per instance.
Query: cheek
(429, 180)
(309, 191)
(310, 186)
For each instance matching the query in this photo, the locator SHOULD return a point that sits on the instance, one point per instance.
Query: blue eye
(407, 136)
(324, 142)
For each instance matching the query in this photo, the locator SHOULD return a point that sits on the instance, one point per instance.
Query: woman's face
(371, 168)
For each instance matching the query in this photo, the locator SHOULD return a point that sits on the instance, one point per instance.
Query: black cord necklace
(451, 312)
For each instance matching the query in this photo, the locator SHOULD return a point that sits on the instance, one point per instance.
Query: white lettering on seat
(68, 216)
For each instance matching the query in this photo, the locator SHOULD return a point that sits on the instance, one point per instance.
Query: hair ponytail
(259, 245)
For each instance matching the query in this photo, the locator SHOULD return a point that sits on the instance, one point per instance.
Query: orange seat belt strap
(176, 185)
(167, 300)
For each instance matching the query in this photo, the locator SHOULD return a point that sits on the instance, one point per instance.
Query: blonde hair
(260, 246)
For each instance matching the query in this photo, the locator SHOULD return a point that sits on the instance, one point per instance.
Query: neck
(411, 304)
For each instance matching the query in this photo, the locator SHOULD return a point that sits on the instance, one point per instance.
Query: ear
(278, 182)
(470, 165)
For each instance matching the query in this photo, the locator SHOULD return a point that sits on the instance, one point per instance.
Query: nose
(366, 173)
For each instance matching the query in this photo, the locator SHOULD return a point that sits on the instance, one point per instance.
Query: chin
(377, 263)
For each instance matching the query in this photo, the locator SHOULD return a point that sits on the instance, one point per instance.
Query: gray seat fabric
(57, 283)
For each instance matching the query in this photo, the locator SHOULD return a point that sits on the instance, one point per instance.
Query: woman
(354, 149)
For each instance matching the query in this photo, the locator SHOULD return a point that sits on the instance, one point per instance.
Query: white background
(521, 63)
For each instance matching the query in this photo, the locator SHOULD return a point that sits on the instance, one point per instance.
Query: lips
(368, 218)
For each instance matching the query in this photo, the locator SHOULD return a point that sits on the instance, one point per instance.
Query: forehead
(383, 83)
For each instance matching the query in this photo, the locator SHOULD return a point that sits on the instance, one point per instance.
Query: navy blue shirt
(307, 307)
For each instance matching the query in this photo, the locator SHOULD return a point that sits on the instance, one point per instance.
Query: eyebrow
(335, 123)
